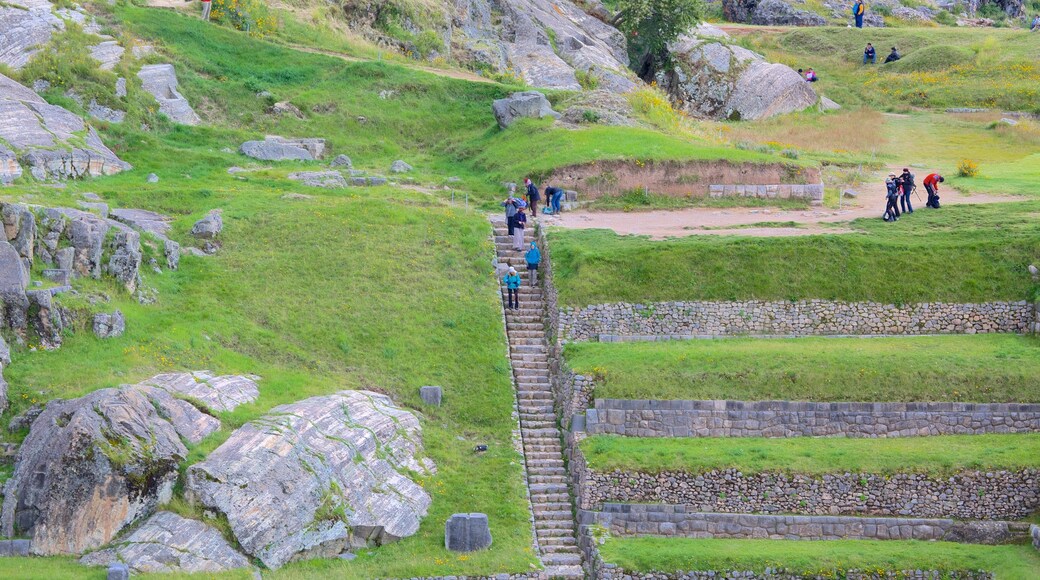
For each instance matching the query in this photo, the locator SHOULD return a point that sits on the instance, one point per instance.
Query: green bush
(428, 42)
(945, 18)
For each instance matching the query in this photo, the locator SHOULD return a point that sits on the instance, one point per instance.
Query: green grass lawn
(941, 455)
(961, 254)
(941, 67)
(993, 368)
(683, 554)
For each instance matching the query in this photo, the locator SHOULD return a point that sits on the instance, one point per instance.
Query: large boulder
(317, 477)
(527, 104)
(712, 79)
(51, 141)
(223, 393)
(27, 25)
(19, 226)
(92, 466)
(780, 13)
(14, 280)
(161, 81)
(169, 543)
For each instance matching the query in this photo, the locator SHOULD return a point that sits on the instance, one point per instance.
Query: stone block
(431, 395)
(467, 532)
(118, 571)
(11, 548)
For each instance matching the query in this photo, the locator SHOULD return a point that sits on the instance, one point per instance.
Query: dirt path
(741, 221)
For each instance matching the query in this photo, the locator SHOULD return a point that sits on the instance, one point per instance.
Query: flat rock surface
(218, 393)
(93, 465)
(317, 477)
(144, 220)
(161, 81)
(26, 25)
(166, 543)
(108, 53)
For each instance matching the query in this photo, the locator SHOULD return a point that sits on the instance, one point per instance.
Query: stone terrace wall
(1001, 495)
(679, 521)
(648, 418)
(705, 319)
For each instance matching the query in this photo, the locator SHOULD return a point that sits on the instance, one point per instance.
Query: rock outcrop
(47, 139)
(109, 325)
(317, 477)
(108, 53)
(523, 105)
(780, 13)
(26, 25)
(92, 466)
(223, 393)
(326, 179)
(161, 81)
(14, 280)
(715, 80)
(274, 148)
(169, 543)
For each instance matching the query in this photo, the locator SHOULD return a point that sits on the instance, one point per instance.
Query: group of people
(810, 75)
(900, 188)
(516, 215)
(870, 55)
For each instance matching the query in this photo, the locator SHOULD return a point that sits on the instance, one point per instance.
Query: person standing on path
(857, 11)
(869, 54)
(906, 180)
(532, 196)
(519, 221)
(510, 205)
(533, 257)
(931, 185)
(512, 282)
(892, 197)
(207, 5)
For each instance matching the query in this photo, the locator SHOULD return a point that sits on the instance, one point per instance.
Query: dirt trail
(741, 221)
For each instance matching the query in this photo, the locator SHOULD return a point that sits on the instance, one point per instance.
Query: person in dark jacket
(869, 54)
(892, 56)
(532, 197)
(519, 222)
(511, 206)
(906, 182)
(553, 197)
(891, 198)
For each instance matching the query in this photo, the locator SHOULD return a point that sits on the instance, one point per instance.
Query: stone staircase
(547, 478)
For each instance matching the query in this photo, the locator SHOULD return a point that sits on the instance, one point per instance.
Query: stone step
(563, 571)
(542, 455)
(546, 463)
(525, 326)
(549, 488)
(534, 478)
(512, 317)
(558, 550)
(539, 334)
(561, 506)
(551, 434)
(557, 542)
(546, 524)
(554, 533)
(534, 394)
(561, 559)
(544, 448)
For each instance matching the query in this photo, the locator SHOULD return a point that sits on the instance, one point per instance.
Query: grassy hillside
(981, 368)
(961, 254)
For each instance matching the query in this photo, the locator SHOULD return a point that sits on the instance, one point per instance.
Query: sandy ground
(740, 221)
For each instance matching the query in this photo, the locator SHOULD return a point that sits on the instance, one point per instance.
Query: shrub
(428, 42)
(590, 116)
(588, 79)
(789, 153)
(250, 16)
(967, 168)
(945, 18)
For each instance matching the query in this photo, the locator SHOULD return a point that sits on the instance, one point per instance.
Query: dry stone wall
(990, 495)
(705, 319)
(649, 418)
(681, 521)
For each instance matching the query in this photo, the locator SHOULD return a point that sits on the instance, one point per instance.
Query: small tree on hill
(649, 25)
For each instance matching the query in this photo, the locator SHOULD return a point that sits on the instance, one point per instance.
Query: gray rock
(221, 394)
(118, 571)
(160, 80)
(14, 548)
(431, 395)
(152, 178)
(95, 207)
(780, 13)
(169, 543)
(9, 168)
(108, 53)
(25, 419)
(828, 105)
(19, 225)
(467, 533)
(125, 260)
(87, 233)
(121, 87)
(45, 318)
(14, 304)
(109, 325)
(331, 473)
(92, 466)
(601, 107)
(64, 258)
(27, 25)
(209, 227)
(527, 104)
(144, 220)
(979, 532)
(286, 108)
(400, 167)
(59, 277)
(3, 391)
(376, 181)
(326, 179)
(274, 148)
(172, 252)
(48, 139)
(342, 161)
(5, 353)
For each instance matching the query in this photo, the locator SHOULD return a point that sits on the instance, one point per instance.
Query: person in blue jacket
(857, 10)
(512, 282)
(534, 257)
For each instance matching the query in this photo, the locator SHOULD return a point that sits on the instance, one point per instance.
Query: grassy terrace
(815, 456)
(959, 254)
(674, 554)
(981, 368)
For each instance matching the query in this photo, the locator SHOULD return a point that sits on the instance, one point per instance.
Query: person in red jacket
(931, 184)
(207, 5)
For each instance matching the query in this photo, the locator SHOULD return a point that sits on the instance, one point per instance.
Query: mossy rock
(932, 58)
